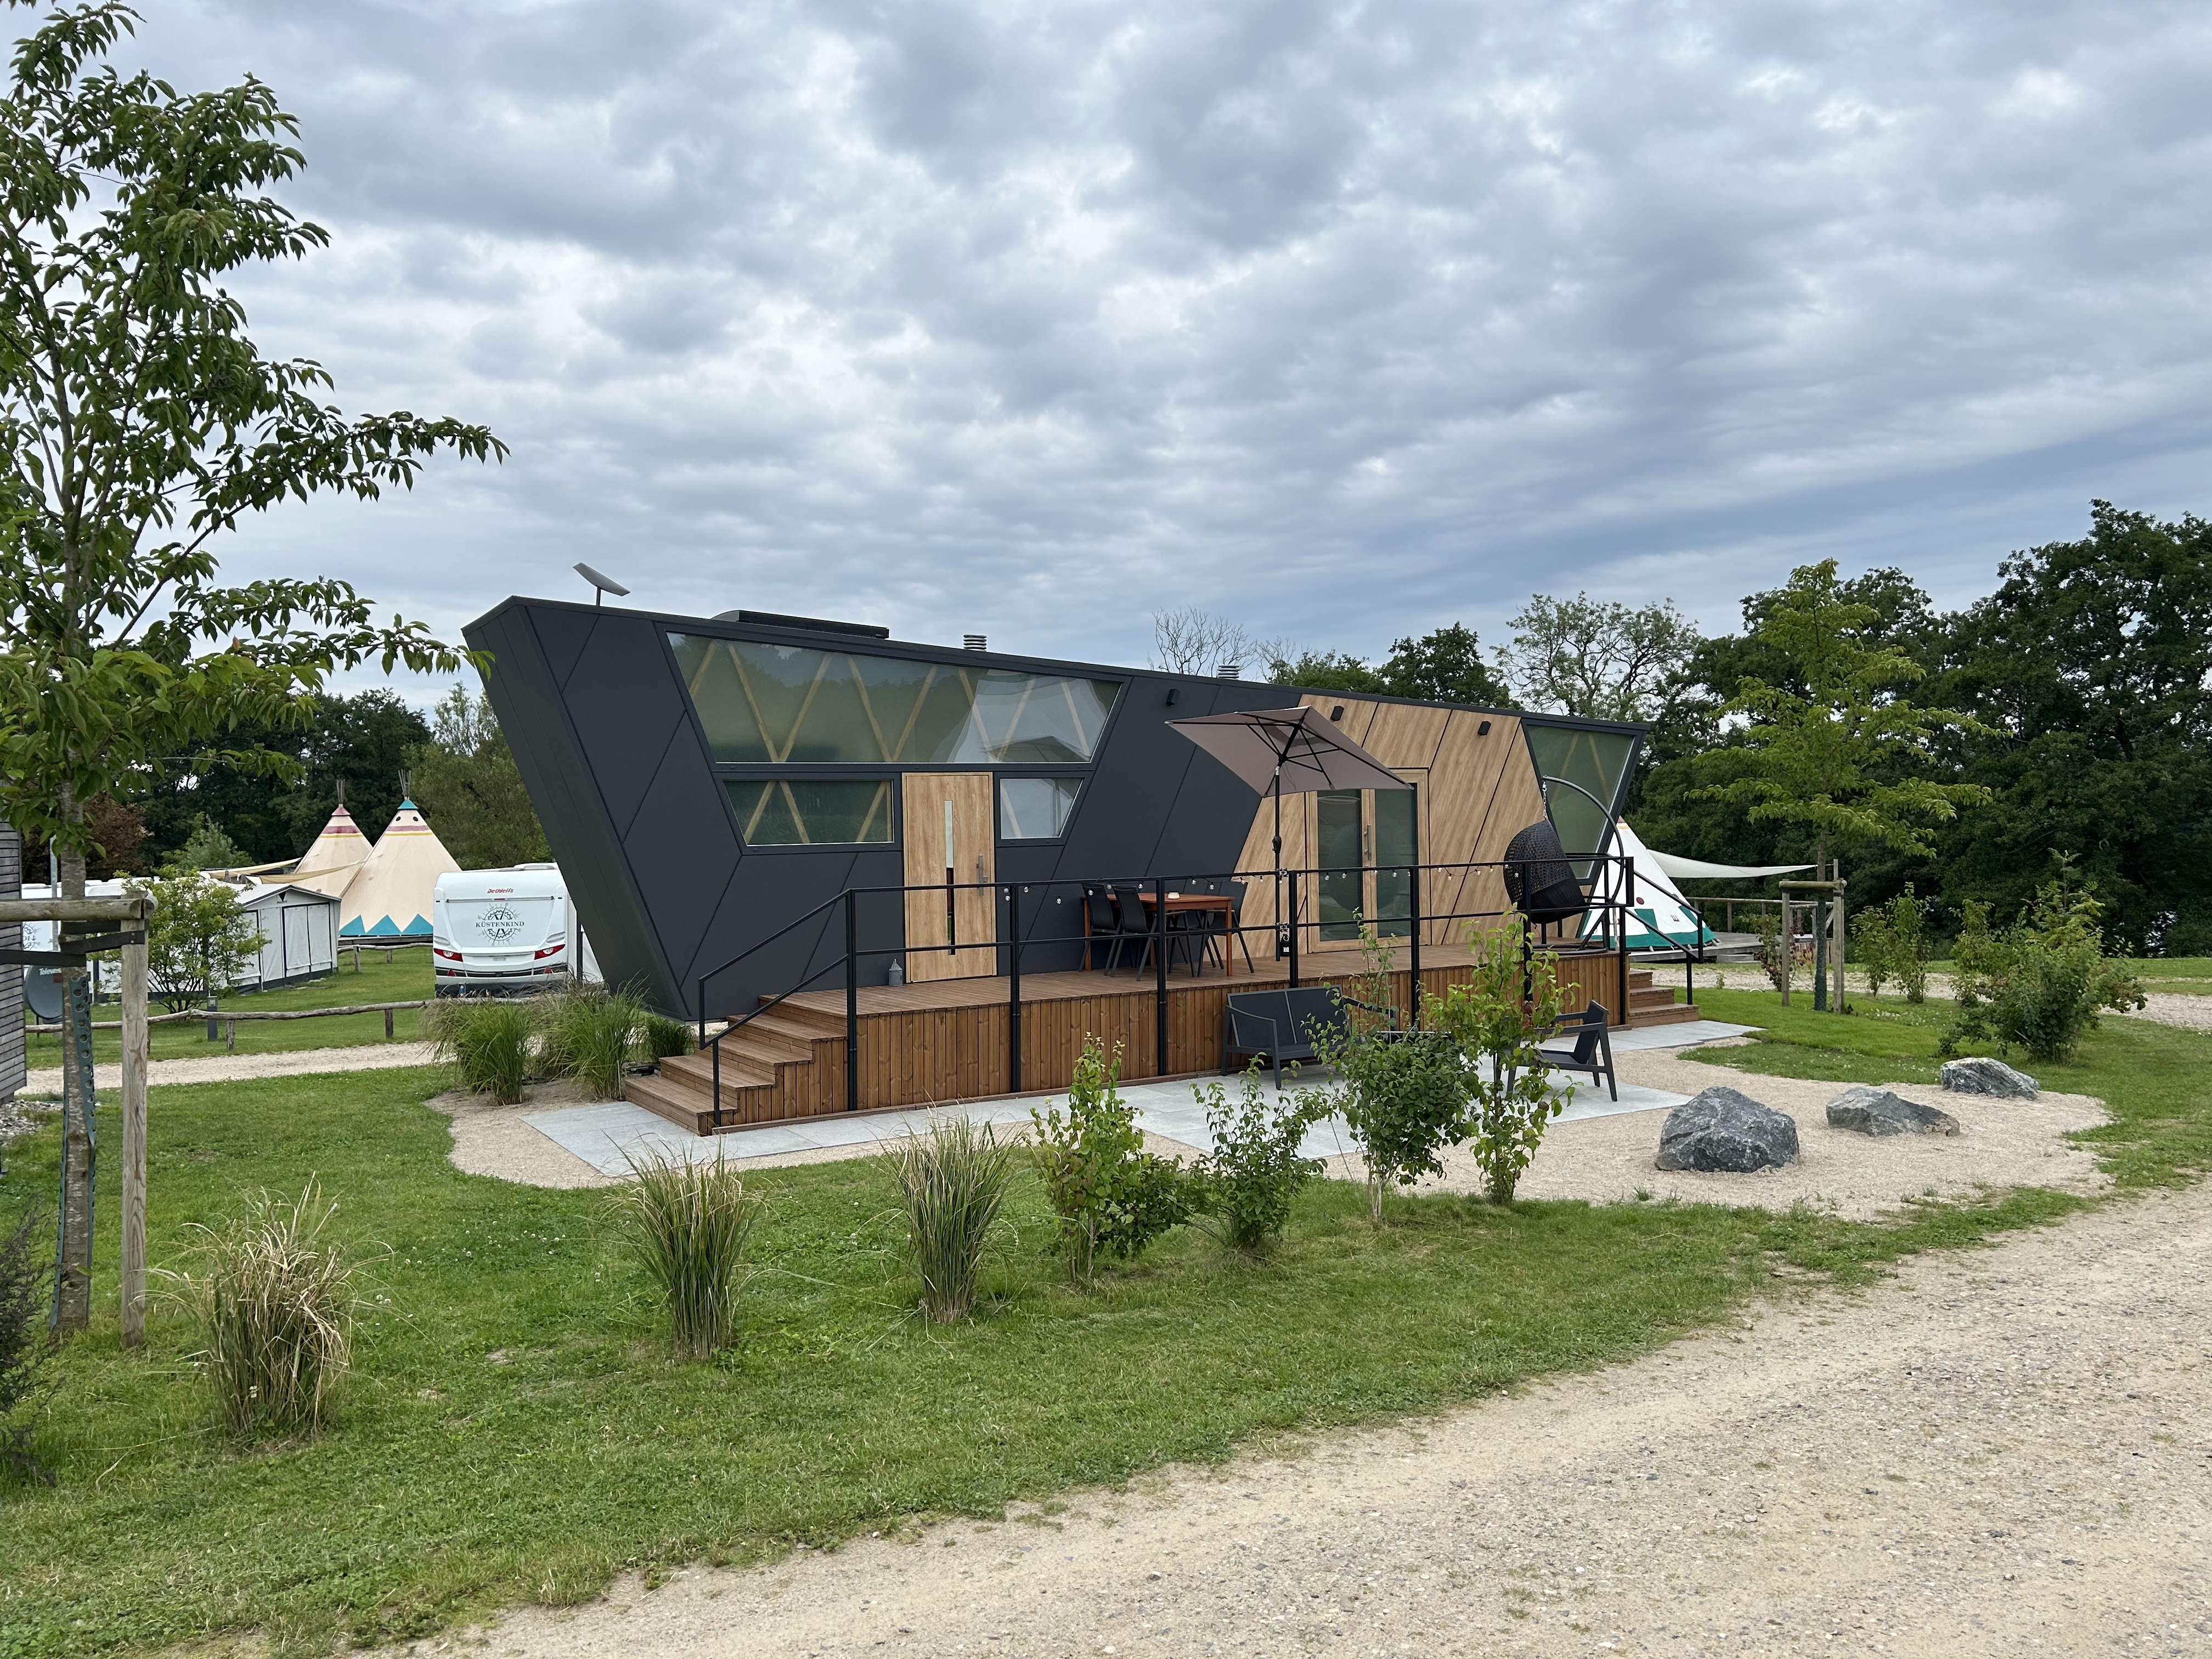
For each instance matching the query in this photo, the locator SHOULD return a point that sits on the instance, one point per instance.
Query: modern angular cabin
(753, 806)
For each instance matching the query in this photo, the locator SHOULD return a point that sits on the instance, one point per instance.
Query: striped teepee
(333, 858)
(389, 897)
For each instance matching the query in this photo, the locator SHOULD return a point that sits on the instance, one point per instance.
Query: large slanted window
(1036, 809)
(795, 705)
(1596, 762)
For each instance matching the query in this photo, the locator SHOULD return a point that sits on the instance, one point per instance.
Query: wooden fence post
(137, 1052)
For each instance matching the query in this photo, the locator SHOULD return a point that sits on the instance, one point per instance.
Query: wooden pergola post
(132, 912)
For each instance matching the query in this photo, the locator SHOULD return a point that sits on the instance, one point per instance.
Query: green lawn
(385, 976)
(515, 1431)
(2183, 976)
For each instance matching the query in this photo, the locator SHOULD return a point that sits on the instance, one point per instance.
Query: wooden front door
(952, 842)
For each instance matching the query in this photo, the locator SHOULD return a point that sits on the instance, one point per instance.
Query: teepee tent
(333, 859)
(390, 895)
(1660, 918)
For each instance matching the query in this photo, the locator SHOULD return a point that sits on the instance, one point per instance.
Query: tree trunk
(73, 1280)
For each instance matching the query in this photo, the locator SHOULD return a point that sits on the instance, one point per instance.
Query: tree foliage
(138, 422)
(1830, 745)
(465, 780)
(199, 940)
(1601, 659)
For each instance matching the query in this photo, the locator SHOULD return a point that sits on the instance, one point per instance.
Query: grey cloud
(1354, 319)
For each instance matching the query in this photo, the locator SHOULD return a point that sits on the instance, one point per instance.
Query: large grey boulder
(1870, 1111)
(1987, 1076)
(1721, 1128)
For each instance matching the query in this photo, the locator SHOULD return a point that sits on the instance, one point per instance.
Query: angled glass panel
(1592, 762)
(1336, 819)
(812, 812)
(1393, 856)
(794, 704)
(1036, 809)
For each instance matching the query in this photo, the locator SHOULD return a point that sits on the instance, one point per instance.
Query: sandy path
(2002, 1452)
(228, 1068)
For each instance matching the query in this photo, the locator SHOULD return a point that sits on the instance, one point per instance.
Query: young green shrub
(1497, 1031)
(687, 1224)
(1245, 1186)
(1908, 944)
(1107, 1194)
(275, 1307)
(1402, 1094)
(661, 1037)
(26, 1346)
(2040, 984)
(1776, 954)
(590, 1032)
(1874, 946)
(951, 1187)
(489, 1041)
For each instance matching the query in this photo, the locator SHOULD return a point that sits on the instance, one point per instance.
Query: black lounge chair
(1287, 1025)
(1592, 1051)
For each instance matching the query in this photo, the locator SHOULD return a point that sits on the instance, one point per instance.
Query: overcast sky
(1348, 320)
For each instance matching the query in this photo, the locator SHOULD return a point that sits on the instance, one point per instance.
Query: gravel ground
(1999, 1452)
(227, 1068)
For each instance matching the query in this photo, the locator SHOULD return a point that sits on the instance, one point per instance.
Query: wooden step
(1680, 1013)
(739, 1069)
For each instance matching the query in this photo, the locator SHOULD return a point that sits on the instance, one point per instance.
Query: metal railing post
(1160, 974)
(1013, 988)
(1627, 900)
(1291, 877)
(703, 1013)
(714, 1061)
(852, 1002)
(1414, 920)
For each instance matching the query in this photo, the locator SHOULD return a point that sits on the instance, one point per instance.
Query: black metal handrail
(1013, 941)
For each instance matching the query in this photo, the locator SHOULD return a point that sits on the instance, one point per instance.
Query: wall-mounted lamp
(1175, 695)
(1337, 713)
(1482, 730)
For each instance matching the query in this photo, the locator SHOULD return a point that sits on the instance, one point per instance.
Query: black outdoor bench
(1284, 1024)
(1593, 1048)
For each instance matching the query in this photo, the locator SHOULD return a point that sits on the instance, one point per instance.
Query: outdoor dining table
(1183, 903)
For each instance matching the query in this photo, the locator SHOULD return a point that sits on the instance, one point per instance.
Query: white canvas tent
(391, 895)
(1660, 919)
(333, 858)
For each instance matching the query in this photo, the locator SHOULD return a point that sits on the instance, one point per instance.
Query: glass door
(1356, 829)
(1338, 852)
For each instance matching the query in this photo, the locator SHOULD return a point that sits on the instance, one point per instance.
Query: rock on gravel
(1871, 1111)
(1987, 1076)
(1723, 1129)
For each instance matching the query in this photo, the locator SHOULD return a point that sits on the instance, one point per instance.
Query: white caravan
(507, 932)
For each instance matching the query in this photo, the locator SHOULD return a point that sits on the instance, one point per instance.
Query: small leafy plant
(276, 1306)
(26, 1348)
(489, 1043)
(2040, 984)
(1403, 1094)
(687, 1224)
(1246, 1185)
(1890, 942)
(951, 1187)
(1497, 1030)
(661, 1037)
(1109, 1195)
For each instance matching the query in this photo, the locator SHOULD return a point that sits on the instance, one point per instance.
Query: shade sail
(1686, 869)
(1289, 752)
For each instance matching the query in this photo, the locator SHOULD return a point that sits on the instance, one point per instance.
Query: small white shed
(299, 934)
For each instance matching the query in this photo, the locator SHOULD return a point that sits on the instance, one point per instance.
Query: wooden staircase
(1655, 1005)
(786, 1063)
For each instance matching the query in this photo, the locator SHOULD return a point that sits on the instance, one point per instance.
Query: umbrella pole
(1276, 790)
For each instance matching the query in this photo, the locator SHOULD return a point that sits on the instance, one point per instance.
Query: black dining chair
(1191, 933)
(1104, 930)
(1133, 923)
(1235, 889)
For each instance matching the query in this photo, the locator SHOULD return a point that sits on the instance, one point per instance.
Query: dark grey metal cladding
(614, 758)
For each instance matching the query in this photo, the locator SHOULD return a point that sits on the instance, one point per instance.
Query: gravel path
(2001, 1452)
(228, 1068)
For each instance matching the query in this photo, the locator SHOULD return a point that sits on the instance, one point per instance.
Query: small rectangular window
(1036, 809)
(811, 812)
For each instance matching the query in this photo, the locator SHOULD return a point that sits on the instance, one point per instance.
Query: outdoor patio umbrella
(1287, 752)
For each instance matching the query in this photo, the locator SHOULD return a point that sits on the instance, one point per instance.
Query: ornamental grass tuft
(951, 1187)
(276, 1306)
(590, 1032)
(488, 1042)
(687, 1224)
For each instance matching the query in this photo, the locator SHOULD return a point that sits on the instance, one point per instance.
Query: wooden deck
(946, 1040)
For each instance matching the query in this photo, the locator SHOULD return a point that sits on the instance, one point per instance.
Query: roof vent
(1230, 671)
(975, 642)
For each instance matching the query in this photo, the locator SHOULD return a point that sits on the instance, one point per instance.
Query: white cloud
(1350, 319)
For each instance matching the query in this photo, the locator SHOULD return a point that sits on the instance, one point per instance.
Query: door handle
(979, 876)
